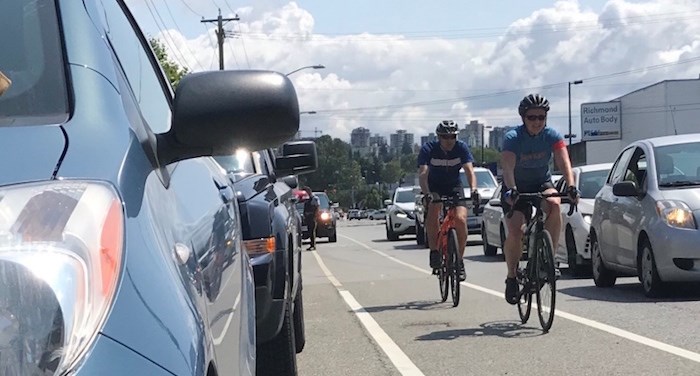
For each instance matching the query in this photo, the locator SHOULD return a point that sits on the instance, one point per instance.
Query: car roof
(595, 167)
(410, 188)
(670, 140)
(477, 169)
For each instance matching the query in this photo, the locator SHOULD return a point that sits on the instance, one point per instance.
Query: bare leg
(552, 206)
(461, 227)
(513, 245)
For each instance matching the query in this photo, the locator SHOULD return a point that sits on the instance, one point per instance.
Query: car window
(259, 163)
(497, 192)
(484, 179)
(324, 203)
(151, 91)
(591, 182)
(620, 166)
(405, 196)
(637, 168)
(32, 59)
(238, 163)
(678, 165)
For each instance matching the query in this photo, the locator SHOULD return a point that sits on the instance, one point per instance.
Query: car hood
(406, 206)
(585, 205)
(691, 196)
(33, 150)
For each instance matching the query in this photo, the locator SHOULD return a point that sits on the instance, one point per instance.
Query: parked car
(121, 249)
(493, 226)
(354, 214)
(486, 185)
(400, 219)
(645, 220)
(574, 242)
(377, 214)
(272, 237)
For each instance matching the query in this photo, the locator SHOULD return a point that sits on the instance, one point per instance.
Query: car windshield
(324, 202)
(484, 179)
(405, 196)
(32, 59)
(678, 165)
(240, 164)
(591, 182)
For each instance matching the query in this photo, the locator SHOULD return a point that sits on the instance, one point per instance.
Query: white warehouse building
(665, 108)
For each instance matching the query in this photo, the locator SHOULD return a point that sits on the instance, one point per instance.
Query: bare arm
(508, 166)
(423, 178)
(469, 174)
(561, 158)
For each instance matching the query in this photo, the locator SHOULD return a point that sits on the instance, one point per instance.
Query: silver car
(645, 220)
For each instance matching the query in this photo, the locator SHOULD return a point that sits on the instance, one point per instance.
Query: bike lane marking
(400, 360)
(687, 354)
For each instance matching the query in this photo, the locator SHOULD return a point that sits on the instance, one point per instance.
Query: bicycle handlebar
(534, 197)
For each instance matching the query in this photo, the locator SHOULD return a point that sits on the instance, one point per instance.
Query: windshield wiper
(680, 183)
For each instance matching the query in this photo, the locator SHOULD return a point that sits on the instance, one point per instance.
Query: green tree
(392, 172)
(406, 148)
(172, 70)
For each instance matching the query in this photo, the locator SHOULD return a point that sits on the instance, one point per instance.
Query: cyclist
(527, 151)
(439, 163)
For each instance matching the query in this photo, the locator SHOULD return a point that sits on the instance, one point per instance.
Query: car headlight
(325, 216)
(587, 218)
(61, 245)
(675, 213)
(401, 214)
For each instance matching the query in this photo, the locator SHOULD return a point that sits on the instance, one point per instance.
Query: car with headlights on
(645, 219)
(120, 237)
(400, 218)
(574, 242)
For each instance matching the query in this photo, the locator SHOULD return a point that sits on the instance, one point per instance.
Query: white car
(493, 227)
(486, 185)
(400, 218)
(574, 242)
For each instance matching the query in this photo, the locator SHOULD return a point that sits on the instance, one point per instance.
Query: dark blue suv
(120, 237)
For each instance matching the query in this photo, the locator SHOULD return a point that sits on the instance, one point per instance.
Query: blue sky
(409, 64)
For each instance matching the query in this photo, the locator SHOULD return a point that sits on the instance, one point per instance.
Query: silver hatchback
(645, 221)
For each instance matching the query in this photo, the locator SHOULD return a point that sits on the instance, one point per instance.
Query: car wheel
(489, 250)
(299, 331)
(390, 234)
(334, 237)
(648, 274)
(420, 234)
(279, 356)
(602, 276)
(575, 269)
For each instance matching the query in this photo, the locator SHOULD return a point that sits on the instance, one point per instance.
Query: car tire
(298, 317)
(279, 356)
(602, 276)
(390, 234)
(575, 269)
(334, 237)
(420, 234)
(489, 250)
(648, 273)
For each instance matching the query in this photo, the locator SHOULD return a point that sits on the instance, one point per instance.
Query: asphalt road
(372, 308)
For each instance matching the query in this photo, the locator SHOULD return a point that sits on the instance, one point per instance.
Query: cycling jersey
(444, 166)
(533, 155)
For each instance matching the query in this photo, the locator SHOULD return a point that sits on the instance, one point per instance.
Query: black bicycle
(536, 273)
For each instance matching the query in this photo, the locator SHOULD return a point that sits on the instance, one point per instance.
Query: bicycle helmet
(533, 101)
(446, 127)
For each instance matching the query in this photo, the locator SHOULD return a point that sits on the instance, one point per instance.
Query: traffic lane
(593, 346)
(670, 320)
(336, 342)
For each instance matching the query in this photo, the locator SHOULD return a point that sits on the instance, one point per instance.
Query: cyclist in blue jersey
(439, 163)
(527, 151)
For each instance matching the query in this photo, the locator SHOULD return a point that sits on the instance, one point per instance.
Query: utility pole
(221, 34)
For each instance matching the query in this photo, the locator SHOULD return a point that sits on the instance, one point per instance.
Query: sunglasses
(448, 137)
(536, 117)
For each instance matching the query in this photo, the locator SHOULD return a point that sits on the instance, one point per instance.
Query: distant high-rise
(429, 138)
(497, 135)
(471, 133)
(359, 138)
(399, 139)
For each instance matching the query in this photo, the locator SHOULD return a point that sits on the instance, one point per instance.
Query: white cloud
(374, 72)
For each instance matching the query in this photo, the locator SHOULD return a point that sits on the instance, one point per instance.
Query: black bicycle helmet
(533, 101)
(446, 127)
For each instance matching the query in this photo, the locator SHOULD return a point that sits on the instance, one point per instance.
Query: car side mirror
(291, 180)
(625, 189)
(495, 202)
(388, 202)
(298, 157)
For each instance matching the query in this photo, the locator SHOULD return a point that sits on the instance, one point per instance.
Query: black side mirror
(625, 189)
(298, 157)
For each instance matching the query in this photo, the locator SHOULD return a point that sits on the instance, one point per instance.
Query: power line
(245, 51)
(180, 30)
(167, 41)
(221, 34)
(190, 8)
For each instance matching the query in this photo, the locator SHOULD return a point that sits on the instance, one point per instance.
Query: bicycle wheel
(443, 277)
(546, 282)
(453, 265)
(525, 301)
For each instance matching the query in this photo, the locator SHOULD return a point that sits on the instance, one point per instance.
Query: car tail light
(61, 251)
(260, 246)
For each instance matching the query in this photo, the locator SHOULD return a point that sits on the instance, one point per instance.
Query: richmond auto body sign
(600, 121)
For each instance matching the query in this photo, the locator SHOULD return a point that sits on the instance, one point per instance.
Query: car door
(629, 211)
(561, 186)
(492, 218)
(606, 209)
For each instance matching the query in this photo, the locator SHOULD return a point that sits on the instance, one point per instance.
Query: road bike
(536, 272)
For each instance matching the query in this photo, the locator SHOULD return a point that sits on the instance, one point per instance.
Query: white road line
(569, 316)
(400, 360)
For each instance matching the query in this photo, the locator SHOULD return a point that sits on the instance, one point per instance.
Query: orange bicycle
(448, 246)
